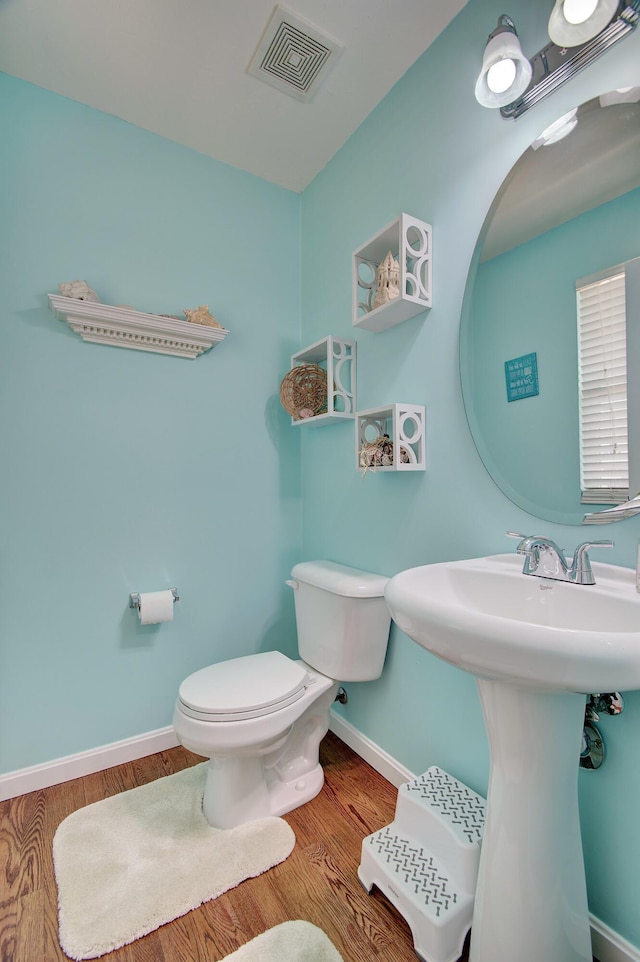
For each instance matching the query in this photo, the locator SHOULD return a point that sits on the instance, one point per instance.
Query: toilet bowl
(260, 718)
(257, 765)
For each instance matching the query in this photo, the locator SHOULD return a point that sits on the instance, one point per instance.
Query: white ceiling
(179, 68)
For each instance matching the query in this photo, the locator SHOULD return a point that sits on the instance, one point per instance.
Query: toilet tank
(342, 619)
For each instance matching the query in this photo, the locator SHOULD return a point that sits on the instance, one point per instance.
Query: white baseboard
(607, 945)
(85, 763)
(375, 756)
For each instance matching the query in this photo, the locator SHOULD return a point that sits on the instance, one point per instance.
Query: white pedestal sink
(536, 647)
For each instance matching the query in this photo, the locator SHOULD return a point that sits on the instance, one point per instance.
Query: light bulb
(501, 76)
(577, 11)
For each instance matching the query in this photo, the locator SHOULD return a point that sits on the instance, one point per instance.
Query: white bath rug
(289, 942)
(128, 864)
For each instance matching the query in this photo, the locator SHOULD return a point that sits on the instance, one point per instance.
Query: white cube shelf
(410, 242)
(338, 358)
(405, 426)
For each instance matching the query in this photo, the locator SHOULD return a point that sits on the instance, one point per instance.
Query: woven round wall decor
(303, 391)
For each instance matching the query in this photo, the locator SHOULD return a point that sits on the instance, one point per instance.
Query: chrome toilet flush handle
(293, 584)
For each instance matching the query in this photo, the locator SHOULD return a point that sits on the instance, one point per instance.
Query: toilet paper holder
(134, 597)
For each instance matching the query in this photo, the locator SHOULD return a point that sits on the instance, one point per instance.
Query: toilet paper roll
(155, 606)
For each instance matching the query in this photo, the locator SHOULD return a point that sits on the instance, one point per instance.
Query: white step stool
(426, 861)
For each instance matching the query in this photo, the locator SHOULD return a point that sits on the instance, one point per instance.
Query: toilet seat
(243, 688)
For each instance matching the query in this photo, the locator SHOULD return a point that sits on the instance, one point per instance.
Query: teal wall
(124, 470)
(127, 471)
(430, 150)
(540, 278)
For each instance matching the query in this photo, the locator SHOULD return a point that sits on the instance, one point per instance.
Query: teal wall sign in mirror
(521, 375)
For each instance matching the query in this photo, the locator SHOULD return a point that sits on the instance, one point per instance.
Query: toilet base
(270, 779)
(285, 796)
(238, 790)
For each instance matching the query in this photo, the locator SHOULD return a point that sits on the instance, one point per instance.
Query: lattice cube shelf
(409, 241)
(391, 438)
(338, 358)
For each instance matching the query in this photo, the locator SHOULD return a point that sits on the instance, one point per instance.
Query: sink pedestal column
(531, 900)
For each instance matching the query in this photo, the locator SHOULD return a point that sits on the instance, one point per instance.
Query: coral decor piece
(379, 453)
(79, 291)
(388, 281)
(201, 315)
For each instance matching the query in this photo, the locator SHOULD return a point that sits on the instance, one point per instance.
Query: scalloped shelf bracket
(122, 327)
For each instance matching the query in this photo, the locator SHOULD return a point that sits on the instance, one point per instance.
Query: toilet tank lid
(340, 579)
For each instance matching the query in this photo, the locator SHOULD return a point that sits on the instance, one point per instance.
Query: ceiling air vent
(294, 56)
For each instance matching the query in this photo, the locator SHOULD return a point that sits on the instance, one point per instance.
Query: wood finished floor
(318, 881)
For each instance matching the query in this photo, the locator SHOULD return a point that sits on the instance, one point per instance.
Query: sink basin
(485, 616)
(536, 647)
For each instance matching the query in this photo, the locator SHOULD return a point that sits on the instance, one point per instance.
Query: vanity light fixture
(506, 72)
(560, 60)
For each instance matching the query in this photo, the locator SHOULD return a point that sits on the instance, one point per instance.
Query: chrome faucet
(544, 559)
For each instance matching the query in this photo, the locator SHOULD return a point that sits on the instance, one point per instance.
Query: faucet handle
(522, 538)
(527, 541)
(581, 570)
(526, 537)
(581, 550)
(524, 542)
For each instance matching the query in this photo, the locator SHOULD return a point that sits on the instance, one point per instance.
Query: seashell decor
(379, 453)
(201, 315)
(79, 290)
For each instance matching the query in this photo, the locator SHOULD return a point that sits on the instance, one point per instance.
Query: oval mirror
(568, 210)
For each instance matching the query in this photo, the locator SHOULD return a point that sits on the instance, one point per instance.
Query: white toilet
(260, 719)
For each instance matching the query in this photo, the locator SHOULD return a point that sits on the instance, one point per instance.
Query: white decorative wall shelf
(123, 327)
(405, 449)
(338, 358)
(410, 242)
